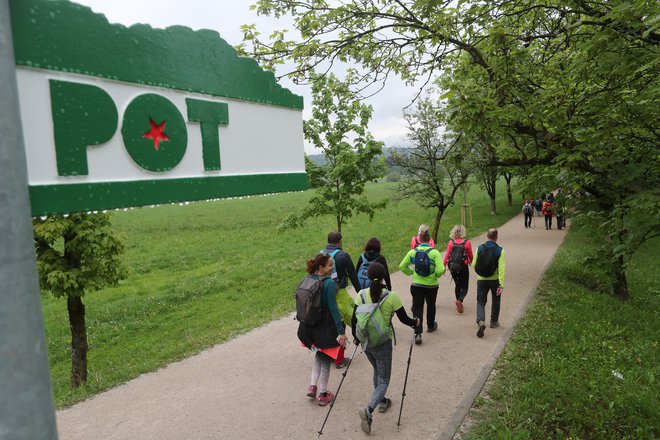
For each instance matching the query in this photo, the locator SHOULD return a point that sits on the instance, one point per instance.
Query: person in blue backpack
(371, 255)
(376, 322)
(428, 267)
(343, 273)
(489, 264)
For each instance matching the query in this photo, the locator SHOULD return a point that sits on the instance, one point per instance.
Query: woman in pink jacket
(458, 258)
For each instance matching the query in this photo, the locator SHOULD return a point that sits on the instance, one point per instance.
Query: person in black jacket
(372, 255)
(344, 271)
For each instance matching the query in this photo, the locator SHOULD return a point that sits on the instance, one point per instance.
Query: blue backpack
(363, 278)
(423, 263)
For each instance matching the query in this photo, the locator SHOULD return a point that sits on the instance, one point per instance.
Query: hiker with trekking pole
(321, 329)
(373, 330)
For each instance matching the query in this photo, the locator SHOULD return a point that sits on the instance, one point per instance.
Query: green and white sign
(116, 117)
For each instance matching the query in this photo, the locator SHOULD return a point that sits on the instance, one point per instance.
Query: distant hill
(319, 159)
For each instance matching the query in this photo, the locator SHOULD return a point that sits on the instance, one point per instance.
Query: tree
(435, 168)
(508, 176)
(353, 158)
(76, 254)
(567, 88)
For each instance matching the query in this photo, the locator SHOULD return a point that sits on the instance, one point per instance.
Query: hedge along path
(254, 385)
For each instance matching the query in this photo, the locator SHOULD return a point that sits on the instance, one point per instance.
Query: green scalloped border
(84, 197)
(63, 36)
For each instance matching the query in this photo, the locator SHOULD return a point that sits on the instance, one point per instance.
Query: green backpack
(371, 328)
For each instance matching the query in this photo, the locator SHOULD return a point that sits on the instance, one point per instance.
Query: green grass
(205, 272)
(581, 364)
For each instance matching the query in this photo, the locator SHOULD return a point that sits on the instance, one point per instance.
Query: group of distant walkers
(325, 309)
(547, 205)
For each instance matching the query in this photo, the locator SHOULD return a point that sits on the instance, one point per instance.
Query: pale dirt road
(253, 387)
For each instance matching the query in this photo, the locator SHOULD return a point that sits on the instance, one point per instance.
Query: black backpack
(309, 310)
(423, 262)
(458, 257)
(487, 260)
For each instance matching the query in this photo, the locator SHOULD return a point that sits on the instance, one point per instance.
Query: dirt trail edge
(253, 387)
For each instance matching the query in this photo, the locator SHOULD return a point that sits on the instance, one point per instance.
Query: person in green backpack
(372, 327)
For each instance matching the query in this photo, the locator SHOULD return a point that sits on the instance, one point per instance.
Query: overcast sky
(226, 17)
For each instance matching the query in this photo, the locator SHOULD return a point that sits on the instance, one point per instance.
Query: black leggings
(548, 221)
(462, 280)
(421, 295)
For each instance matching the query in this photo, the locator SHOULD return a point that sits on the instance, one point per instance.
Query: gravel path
(253, 387)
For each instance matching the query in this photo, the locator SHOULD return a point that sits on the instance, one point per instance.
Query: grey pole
(26, 398)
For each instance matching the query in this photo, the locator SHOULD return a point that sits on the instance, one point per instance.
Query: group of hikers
(325, 309)
(547, 205)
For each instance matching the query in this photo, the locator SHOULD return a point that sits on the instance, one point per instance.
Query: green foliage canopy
(339, 128)
(78, 253)
(567, 88)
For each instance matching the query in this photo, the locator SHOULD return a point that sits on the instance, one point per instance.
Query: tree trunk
(436, 227)
(76, 310)
(493, 208)
(507, 178)
(621, 282)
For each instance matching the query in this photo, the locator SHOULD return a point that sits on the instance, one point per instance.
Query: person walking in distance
(489, 264)
(378, 336)
(547, 213)
(458, 258)
(428, 268)
(415, 241)
(343, 272)
(326, 335)
(528, 212)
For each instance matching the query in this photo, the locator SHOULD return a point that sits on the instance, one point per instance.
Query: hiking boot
(418, 338)
(325, 398)
(311, 391)
(344, 362)
(366, 417)
(384, 404)
(482, 328)
(494, 324)
(459, 306)
(434, 328)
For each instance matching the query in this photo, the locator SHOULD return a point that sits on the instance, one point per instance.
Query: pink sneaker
(325, 398)
(459, 306)
(311, 391)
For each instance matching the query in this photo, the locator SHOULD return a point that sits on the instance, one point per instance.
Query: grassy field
(205, 272)
(581, 364)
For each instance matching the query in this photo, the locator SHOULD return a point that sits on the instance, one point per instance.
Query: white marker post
(26, 398)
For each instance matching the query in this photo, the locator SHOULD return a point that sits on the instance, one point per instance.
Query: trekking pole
(405, 382)
(332, 404)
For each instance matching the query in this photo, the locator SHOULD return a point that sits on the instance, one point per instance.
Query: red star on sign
(156, 133)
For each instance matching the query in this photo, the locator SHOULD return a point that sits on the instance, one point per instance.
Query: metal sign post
(26, 400)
